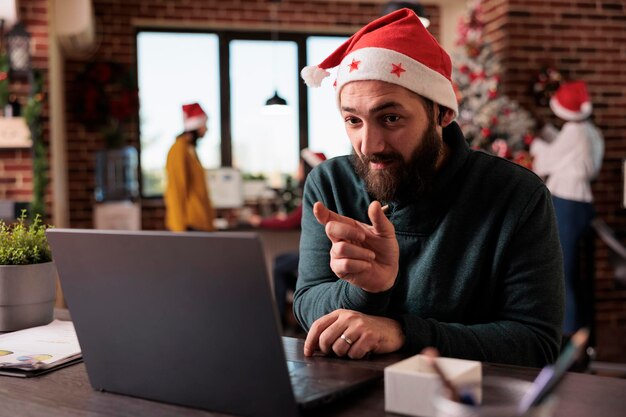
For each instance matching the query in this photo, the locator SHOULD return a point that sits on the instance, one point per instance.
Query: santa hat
(571, 101)
(395, 48)
(312, 158)
(193, 117)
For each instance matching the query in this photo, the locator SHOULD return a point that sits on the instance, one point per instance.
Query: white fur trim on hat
(573, 116)
(313, 75)
(378, 63)
(194, 123)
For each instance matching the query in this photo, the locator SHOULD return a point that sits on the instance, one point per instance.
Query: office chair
(617, 260)
(617, 251)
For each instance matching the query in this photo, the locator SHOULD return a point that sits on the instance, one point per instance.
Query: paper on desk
(44, 345)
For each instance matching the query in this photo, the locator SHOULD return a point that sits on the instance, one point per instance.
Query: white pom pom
(313, 75)
(586, 108)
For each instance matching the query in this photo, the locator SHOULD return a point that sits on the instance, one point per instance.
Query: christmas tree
(490, 120)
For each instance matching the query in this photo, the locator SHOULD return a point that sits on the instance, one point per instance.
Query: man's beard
(402, 179)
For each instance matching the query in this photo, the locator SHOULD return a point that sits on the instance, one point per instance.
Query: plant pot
(27, 295)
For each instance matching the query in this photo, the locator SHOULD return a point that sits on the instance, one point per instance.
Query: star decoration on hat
(397, 69)
(354, 65)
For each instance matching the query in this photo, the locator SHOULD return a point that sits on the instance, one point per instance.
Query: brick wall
(584, 40)
(16, 174)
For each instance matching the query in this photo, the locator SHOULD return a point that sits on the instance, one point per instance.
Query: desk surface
(67, 393)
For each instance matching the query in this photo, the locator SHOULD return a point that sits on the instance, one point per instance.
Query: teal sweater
(481, 273)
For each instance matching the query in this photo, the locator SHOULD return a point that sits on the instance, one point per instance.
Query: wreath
(544, 84)
(107, 99)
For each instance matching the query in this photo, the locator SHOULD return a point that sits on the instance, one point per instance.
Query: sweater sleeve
(318, 290)
(525, 328)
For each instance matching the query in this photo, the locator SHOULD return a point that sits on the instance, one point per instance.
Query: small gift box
(412, 384)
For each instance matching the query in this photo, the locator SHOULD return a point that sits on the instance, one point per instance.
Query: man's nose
(372, 141)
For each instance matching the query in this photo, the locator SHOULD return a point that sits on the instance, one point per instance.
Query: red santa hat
(312, 158)
(193, 117)
(395, 48)
(571, 101)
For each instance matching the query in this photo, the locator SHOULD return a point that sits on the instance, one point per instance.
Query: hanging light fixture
(275, 100)
(18, 50)
(392, 6)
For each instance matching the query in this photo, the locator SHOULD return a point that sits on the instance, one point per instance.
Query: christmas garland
(4, 78)
(32, 114)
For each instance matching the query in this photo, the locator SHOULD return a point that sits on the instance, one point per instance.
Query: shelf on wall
(14, 133)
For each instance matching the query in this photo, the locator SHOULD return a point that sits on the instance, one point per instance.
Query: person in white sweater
(569, 160)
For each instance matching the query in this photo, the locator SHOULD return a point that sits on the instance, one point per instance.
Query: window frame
(224, 38)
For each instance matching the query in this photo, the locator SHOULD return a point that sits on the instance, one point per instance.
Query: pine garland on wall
(4, 79)
(32, 114)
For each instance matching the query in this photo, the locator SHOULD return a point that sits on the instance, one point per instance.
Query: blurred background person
(569, 160)
(285, 267)
(187, 202)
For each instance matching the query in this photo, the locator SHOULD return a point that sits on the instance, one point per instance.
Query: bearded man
(465, 256)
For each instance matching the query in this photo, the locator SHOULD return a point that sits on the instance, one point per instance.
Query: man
(466, 257)
(187, 203)
(570, 159)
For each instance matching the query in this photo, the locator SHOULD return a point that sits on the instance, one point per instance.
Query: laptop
(188, 319)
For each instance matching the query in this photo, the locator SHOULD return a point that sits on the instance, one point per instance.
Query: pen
(550, 376)
(463, 397)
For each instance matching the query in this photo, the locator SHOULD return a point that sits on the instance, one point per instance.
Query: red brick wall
(584, 40)
(16, 172)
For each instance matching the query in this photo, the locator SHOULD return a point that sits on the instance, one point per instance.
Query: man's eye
(391, 118)
(352, 120)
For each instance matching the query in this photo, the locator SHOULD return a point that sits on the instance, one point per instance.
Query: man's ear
(446, 117)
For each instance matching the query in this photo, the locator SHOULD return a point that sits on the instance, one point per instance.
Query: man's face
(202, 130)
(394, 138)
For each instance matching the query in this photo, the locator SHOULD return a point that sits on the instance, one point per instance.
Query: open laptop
(189, 319)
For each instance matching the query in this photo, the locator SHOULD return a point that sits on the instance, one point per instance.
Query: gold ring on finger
(346, 339)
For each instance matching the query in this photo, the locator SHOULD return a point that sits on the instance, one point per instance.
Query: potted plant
(27, 275)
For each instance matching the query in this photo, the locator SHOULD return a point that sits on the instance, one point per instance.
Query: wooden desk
(67, 393)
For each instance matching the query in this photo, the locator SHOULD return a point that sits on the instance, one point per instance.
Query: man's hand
(353, 334)
(365, 256)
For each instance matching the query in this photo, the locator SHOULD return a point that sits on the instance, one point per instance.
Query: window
(232, 75)
(174, 69)
(326, 130)
(264, 141)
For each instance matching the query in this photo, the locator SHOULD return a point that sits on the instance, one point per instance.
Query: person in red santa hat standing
(464, 258)
(570, 159)
(187, 202)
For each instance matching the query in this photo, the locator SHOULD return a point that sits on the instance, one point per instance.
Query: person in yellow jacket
(187, 202)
